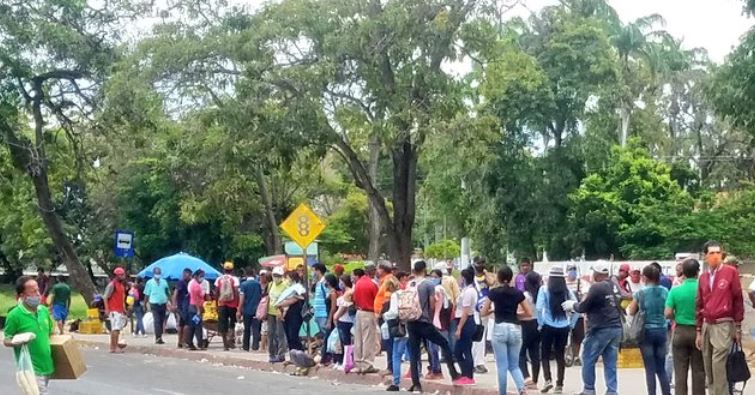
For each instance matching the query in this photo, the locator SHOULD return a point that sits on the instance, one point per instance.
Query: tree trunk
(624, 115)
(32, 160)
(274, 240)
(404, 203)
(376, 229)
(77, 273)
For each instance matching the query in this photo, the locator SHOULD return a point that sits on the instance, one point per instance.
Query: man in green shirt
(61, 302)
(30, 317)
(276, 335)
(680, 307)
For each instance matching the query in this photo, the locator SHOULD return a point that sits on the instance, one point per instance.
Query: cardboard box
(69, 365)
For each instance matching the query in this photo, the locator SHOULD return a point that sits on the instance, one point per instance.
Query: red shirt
(365, 292)
(196, 294)
(722, 302)
(116, 302)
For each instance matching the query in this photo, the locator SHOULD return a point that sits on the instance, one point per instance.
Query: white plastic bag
(149, 325)
(25, 377)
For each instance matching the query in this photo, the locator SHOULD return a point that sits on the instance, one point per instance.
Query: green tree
(629, 209)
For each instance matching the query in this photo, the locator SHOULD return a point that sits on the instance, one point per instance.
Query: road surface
(136, 374)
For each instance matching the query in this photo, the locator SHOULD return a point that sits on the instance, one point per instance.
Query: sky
(715, 25)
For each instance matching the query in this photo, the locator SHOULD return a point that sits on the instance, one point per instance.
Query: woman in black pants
(292, 319)
(530, 332)
(555, 324)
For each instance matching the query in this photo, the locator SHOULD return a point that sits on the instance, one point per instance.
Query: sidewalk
(629, 379)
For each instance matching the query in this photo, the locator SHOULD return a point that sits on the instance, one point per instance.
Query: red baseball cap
(625, 268)
(119, 271)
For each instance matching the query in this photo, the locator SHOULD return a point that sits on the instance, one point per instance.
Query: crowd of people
(689, 322)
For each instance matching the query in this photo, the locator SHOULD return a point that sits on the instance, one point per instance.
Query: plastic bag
(25, 377)
(334, 343)
(348, 358)
(384, 332)
(148, 321)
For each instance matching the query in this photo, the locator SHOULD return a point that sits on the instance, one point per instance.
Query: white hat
(442, 266)
(601, 267)
(278, 271)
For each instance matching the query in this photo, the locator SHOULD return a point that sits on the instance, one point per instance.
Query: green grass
(8, 300)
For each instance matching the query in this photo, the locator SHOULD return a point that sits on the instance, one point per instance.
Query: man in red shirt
(720, 311)
(115, 307)
(365, 327)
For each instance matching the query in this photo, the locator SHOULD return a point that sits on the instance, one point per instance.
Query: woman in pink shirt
(196, 309)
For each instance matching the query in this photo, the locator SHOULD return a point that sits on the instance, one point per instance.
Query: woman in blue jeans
(507, 333)
(651, 300)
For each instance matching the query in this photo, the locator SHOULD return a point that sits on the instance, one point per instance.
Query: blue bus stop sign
(124, 244)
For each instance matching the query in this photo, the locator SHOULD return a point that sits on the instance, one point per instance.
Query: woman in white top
(343, 317)
(467, 320)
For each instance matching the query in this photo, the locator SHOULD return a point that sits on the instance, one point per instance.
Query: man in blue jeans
(603, 329)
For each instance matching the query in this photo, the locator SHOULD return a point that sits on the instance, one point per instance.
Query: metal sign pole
(306, 299)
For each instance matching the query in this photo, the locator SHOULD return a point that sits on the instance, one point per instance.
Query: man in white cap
(451, 286)
(276, 335)
(604, 329)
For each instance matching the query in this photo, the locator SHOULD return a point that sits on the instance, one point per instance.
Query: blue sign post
(124, 244)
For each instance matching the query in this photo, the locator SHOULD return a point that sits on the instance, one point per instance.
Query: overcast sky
(712, 24)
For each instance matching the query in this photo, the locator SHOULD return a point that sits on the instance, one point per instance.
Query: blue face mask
(436, 281)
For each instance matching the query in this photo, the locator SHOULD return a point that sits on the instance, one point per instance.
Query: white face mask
(157, 276)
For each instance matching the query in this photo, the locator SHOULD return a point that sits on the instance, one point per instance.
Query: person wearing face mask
(156, 294)
(195, 311)
(276, 334)
(115, 307)
(31, 317)
(579, 289)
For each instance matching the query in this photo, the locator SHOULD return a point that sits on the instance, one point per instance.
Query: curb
(262, 366)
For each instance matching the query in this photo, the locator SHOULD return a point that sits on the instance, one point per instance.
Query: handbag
(637, 326)
(737, 369)
(307, 313)
(261, 313)
(396, 328)
(479, 332)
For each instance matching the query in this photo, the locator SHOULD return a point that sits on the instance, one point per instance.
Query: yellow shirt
(452, 288)
(275, 291)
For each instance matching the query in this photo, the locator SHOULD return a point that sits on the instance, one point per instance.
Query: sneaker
(558, 390)
(415, 389)
(547, 387)
(464, 381)
(481, 369)
(393, 388)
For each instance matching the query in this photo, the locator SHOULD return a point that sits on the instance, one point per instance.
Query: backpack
(226, 292)
(409, 308)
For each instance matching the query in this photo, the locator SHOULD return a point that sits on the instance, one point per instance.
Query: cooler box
(629, 358)
(69, 365)
(91, 327)
(210, 311)
(93, 314)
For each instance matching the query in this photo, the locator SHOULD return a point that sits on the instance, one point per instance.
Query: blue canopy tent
(172, 267)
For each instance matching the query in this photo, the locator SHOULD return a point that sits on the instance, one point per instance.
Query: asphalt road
(135, 374)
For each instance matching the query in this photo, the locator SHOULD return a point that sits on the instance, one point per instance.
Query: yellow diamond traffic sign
(303, 226)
